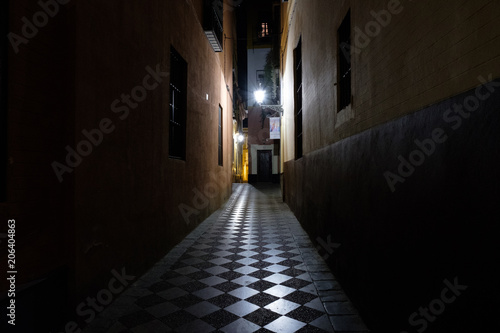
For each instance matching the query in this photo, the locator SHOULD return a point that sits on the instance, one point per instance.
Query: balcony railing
(212, 25)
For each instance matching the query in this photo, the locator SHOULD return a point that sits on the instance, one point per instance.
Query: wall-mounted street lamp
(241, 138)
(260, 96)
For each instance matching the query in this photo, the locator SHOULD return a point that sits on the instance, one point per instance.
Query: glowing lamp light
(259, 96)
(241, 138)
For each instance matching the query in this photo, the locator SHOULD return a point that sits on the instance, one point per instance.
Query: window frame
(344, 68)
(177, 91)
(220, 134)
(298, 89)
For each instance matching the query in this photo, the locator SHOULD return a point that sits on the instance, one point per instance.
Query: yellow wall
(429, 51)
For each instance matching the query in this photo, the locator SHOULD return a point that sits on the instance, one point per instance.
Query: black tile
(199, 275)
(261, 264)
(227, 286)
(232, 265)
(230, 275)
(238, 244)
(204, 265)
(300, 297)
(213, 249)
(186, 301)
(293, 271)
(177, 319)
(296, 283)
(170, 275)
(136, 318)
(160, 286)
(305, 314)
(208, 257)
(224, 300)
(236, 250)
(178, 265)
(220, 318)
(261, 285)
(234, 257)
(287, 255)
(193, 286)
(260, 256)
(261, 274)
(290, 263)
(261, 299)
(150, 300)
(262, 317)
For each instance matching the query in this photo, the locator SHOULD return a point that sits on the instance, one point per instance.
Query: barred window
(177, 106)
(344, 63)
(297, 60)
(220, 134)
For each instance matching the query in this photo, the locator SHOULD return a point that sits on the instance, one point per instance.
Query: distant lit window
(344, 63)
(177, 106)
(264, 30)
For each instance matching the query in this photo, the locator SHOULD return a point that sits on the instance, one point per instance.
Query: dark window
(297, 60)
(4, 10)
(177, 106)
(261, 76)
(220, 135)
(344, 63)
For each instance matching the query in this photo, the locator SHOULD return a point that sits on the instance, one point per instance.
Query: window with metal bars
(177, 106)
(220, 136)
(344, 63)
(297, 60)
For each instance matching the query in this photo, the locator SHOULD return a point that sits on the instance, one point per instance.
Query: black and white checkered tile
(243, 270)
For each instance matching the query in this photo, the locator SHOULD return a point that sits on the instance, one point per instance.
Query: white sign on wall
(274, 128)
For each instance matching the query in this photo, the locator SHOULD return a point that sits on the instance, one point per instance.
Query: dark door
(264, 165)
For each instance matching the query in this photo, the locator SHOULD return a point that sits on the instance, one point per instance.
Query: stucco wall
(118, 206)
(398, 243)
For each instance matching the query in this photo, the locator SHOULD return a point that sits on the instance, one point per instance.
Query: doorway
(264, 165)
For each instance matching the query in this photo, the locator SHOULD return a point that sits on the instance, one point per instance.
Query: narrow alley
(249, 267)
(249, 166)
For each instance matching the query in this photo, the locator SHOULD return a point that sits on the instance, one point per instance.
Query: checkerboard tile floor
(249, 267)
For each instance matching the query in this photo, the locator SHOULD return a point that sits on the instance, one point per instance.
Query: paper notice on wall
(274, 128)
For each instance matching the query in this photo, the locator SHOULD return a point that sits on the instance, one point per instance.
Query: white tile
(277, 278)
(279, 291)
(242, 308)
(245, 280)
(243, 292)
(285, 325)
(282, 306)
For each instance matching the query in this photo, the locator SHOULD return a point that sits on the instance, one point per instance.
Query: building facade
(263, 37)
(390, 150)
(118, 139)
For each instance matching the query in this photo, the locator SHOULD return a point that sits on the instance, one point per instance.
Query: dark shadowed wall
(404, 178)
